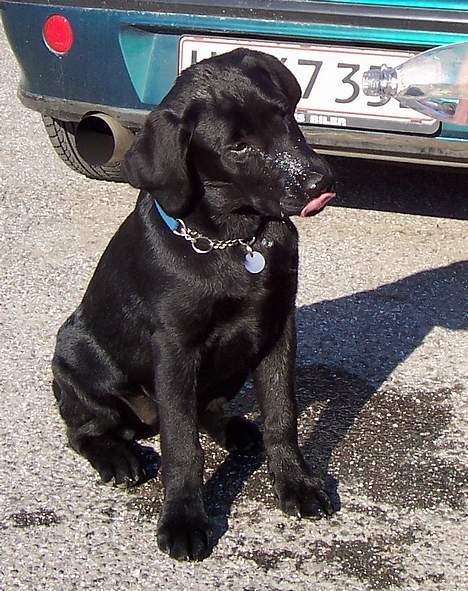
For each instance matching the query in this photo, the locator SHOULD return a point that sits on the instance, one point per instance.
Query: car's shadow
(440, 190)
(348, 347)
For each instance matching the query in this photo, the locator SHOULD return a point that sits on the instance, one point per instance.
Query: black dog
(173, 323)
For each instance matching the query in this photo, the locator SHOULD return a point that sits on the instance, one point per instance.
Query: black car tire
(62, 138)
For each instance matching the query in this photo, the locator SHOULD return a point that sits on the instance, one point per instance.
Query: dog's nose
(319, 183)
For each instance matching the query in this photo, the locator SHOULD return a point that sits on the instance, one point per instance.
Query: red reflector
(58, 34)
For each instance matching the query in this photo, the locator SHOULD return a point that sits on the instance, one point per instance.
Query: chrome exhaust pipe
(100, 139)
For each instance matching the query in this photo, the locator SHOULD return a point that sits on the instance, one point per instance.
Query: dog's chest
(250, 311)
(240, 333)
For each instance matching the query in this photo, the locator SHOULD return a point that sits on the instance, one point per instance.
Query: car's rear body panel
(125, 55)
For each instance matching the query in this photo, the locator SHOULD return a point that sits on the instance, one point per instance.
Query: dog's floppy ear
(277, 73)
(157, 161)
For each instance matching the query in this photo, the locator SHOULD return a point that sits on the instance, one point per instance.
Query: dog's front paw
(184, 534)
(302, 495)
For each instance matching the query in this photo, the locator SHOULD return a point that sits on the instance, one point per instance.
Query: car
(94, 69)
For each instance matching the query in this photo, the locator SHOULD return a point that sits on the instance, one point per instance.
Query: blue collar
(171, 223)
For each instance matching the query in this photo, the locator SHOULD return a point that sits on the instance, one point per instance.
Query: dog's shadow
(348, 347)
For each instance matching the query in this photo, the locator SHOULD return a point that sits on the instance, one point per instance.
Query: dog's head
(226, 133)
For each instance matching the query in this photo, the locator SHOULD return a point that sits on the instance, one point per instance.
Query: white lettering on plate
(328, 120)
(310, 118)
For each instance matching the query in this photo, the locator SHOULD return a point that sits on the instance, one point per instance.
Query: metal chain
(195, 237)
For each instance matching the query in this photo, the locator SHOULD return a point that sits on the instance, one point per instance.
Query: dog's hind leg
(97, 431)
(233, 433)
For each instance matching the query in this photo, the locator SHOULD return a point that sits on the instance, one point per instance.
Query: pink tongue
(316, 204)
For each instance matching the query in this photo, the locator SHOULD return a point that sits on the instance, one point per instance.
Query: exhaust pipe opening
(101, 139)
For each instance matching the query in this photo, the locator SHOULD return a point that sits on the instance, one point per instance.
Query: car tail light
(58, 34)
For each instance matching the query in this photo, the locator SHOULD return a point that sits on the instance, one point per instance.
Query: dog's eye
(239, 148)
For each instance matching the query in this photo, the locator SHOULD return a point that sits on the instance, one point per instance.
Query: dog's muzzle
(320, 189)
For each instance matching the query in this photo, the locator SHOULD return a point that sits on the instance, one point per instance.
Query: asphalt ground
(381, 380)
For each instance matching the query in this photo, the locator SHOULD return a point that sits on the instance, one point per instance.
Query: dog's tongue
(316, 204)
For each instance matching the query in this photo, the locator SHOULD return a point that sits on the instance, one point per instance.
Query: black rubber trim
(394, 17)
(74, 111)
(365, 143)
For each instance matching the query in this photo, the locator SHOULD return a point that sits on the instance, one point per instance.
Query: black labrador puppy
(196, 291)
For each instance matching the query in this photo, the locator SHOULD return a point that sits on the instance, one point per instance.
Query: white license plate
(330, 79)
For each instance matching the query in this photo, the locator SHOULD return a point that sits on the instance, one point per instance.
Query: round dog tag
(254, 262)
